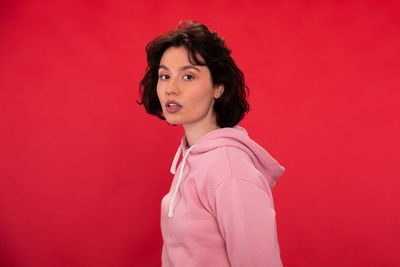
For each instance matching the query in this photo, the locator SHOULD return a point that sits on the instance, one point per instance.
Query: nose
(172, 87)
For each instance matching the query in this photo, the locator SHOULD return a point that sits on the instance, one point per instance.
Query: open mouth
(172, 107)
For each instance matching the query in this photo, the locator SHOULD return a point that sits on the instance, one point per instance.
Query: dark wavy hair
(231, 106)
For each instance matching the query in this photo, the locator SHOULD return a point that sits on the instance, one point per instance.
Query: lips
(172, 106)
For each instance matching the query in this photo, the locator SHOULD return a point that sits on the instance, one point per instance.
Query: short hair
(231, 107)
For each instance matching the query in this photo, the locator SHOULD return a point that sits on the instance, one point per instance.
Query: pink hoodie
(219, 211)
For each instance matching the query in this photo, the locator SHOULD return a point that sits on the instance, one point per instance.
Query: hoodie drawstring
(173, 170)
(173, 167)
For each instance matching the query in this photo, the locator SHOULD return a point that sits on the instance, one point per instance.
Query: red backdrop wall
(83, 168)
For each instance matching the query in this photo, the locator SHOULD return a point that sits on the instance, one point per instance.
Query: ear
(218, 91)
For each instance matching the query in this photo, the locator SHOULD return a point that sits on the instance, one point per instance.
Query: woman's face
(186, 91)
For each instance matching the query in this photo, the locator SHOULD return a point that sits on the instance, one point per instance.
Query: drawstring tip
(170, 214)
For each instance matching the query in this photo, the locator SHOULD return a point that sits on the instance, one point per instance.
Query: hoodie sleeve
(246, 218)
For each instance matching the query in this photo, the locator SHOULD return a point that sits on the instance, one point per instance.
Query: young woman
(219, 211)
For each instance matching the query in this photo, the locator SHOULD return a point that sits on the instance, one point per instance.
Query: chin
(173, 122)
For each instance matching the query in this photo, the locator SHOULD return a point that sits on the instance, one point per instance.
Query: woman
(219, 211)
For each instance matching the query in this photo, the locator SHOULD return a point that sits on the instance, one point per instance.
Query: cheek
(203, 96)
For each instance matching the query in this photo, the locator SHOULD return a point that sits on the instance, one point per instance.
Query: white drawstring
(173, 169)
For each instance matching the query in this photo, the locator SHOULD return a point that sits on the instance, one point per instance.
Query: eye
(188, 77)
(163, 77)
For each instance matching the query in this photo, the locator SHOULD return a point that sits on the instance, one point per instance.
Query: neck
(193, 133)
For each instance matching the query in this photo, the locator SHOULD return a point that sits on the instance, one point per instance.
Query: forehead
(176, 56)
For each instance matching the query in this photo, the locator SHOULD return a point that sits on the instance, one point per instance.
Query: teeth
(172, 105)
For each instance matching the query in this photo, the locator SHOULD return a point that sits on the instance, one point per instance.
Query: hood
(237, 137)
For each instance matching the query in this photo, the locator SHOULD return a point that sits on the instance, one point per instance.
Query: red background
(83, 168)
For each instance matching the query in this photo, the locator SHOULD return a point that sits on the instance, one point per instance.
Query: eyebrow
(181, 69)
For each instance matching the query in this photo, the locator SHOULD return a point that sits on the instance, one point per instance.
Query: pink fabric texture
(222, 213)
